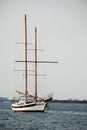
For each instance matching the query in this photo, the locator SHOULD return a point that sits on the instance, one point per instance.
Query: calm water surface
(57, 116)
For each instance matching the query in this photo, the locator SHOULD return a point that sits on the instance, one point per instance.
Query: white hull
(29, 107)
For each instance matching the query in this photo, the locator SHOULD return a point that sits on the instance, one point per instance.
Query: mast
(36, 63)
(26, 57)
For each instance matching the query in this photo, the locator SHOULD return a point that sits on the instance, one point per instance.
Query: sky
(62, 31)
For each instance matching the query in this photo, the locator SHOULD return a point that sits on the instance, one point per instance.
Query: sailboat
(30, 103)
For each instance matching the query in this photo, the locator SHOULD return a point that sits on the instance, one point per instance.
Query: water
(58, 116)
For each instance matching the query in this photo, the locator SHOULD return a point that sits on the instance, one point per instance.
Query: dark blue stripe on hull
(29, 111)
(24, 106)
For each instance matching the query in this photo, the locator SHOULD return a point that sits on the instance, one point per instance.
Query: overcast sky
(62, 29)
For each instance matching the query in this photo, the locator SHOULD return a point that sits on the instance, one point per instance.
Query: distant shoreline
(2, 99)
(69, 101)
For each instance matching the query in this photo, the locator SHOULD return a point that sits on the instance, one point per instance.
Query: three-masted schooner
(29, 103)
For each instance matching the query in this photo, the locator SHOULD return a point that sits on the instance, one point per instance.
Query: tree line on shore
(2, 99)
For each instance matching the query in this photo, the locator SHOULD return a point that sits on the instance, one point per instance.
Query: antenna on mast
(36, 63)
(26, 57)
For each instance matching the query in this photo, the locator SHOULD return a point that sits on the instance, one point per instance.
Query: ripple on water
(57, 117)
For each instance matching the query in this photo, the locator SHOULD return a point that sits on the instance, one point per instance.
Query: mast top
(25, 17)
